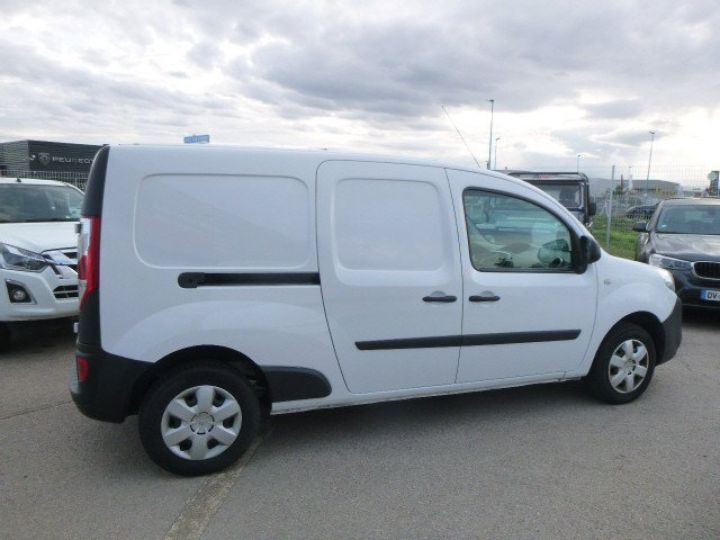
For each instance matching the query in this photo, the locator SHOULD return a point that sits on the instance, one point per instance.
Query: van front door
(390, 274)
(528, 313)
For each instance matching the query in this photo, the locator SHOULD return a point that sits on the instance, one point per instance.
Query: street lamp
(647, 179)
(577, 167)
(490, 142)
(496, 145)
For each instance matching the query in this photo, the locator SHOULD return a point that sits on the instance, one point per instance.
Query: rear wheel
(200, 419)
(624, 365)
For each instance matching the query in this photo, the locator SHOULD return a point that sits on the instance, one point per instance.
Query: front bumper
(689, 287)
(672, 333)
(53, 296)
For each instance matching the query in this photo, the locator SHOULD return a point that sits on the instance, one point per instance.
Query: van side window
(508, 234)
(389, 225)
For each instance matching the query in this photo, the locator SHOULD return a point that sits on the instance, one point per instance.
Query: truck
(571, 189)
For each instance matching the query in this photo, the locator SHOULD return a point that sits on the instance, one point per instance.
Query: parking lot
(535, 462)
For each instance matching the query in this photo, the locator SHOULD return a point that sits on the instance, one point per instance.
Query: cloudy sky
(568, 77)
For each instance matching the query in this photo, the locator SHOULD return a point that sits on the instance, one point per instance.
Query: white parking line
(199, 510)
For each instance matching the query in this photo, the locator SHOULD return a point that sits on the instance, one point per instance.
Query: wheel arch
(648, 322)
(236, 359)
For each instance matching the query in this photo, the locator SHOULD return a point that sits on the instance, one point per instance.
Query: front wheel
(199, 420)
(624, 365)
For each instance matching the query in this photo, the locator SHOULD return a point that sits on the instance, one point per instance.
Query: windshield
(690, 219)
(23, 203)
(570, 196)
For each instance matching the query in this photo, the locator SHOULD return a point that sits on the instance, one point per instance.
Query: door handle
(476, 298)
(447, 299)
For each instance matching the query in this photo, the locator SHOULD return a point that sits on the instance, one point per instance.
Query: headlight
(668, 262)
(667, 278)
(15, 258)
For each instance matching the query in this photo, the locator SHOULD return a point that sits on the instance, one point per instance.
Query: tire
(623, 366)
(5, 337)
(199, 419)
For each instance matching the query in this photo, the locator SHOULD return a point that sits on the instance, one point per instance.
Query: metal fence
(77, 179)
(620, 208)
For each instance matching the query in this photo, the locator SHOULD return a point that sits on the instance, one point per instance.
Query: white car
(38, 250)
(221, 284)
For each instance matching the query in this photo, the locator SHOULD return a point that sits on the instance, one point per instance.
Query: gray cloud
(287, 65)
(625, 108)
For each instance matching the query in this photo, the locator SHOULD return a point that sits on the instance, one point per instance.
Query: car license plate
(709, 294)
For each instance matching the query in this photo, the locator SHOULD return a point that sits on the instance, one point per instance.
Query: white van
(219, 285)
(38, 251)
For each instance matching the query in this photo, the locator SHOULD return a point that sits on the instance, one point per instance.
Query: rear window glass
(215, 221)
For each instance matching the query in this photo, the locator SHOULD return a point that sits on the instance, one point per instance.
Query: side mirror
(640, 226)
(592, 208)
(590, 252)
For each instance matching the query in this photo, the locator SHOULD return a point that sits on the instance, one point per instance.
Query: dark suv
(683, 236)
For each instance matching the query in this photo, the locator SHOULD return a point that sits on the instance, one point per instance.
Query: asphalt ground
(535, 462)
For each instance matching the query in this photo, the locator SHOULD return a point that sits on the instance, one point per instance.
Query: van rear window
(223, 221)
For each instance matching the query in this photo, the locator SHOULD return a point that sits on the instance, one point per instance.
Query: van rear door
(390, 272)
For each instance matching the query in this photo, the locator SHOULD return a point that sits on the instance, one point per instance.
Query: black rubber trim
(89, 318)
(107, 393)
(504, 338)
(93, 201)
(672, 329)
(192, 280)
(293, 383)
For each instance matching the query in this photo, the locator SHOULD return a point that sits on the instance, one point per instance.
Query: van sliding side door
(390, 273)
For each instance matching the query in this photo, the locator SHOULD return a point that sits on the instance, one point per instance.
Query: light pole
(496, 145)
(577, 166)
(490, 142)
(647, 179)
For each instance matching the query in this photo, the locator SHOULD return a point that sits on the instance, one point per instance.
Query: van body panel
(387, 241)
(146, 315)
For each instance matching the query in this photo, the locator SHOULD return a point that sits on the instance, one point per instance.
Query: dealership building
(44, 159)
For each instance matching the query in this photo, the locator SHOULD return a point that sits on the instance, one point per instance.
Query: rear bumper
(107, 392)
(672, 330)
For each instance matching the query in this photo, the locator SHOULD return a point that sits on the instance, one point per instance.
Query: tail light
(88, 257)
(83, 368)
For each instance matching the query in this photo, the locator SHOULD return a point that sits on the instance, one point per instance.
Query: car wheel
(624, 365)
(200, 419)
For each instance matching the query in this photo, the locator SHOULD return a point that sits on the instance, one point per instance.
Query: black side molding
(193, 280)
(468, 340)
(291, 383)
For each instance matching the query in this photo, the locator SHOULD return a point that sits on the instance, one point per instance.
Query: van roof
(307, 155)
